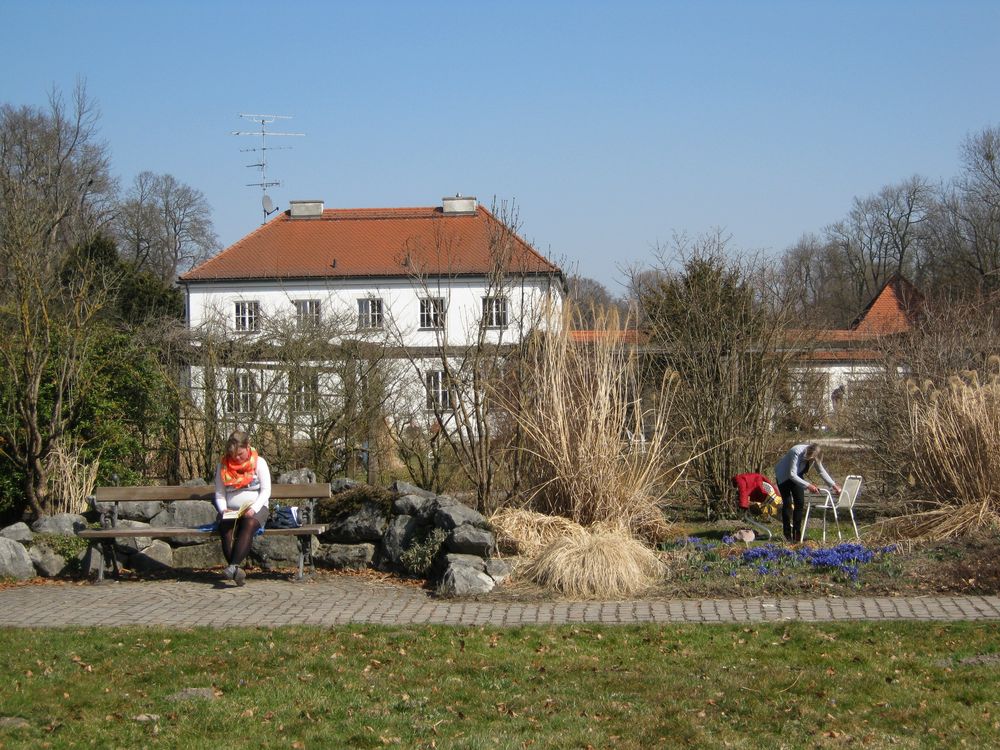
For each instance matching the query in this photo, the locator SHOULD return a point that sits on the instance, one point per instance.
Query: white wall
(401, 303)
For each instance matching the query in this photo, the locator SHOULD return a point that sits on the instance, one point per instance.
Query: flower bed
(842, 562)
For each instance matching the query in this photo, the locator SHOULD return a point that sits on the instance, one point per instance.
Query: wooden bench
(106, 500)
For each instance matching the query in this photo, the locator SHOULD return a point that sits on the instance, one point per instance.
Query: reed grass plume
(954, 450)
(595, 432)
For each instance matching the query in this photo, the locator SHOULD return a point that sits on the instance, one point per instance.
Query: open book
(233, 514)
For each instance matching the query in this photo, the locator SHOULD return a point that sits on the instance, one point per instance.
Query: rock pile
(402, 529)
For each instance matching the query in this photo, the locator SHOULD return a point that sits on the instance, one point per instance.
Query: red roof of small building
(366, 242)
(894, 309)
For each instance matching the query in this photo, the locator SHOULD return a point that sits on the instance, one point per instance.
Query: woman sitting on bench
(242, 492)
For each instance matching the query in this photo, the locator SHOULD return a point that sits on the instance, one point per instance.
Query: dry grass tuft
(595, 565)
(521, 531)
(954, 436)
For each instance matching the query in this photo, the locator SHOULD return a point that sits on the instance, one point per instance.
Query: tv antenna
(267, 205)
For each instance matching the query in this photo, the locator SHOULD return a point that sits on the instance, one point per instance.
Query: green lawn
(766, 686)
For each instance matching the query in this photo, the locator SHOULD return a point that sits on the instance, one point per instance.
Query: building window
(438, 393)
(241, 394)
(495, 312)
(432, 313)
(369, 314)
(307, 313)
(247, 316)
(303, 390)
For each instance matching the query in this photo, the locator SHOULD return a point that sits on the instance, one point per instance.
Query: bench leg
(96, 555)
(305, 555)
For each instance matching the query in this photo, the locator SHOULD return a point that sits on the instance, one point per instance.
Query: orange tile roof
(893, 310)
(365, 242)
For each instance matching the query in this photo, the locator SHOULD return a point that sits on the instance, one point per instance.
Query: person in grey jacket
(790, 476)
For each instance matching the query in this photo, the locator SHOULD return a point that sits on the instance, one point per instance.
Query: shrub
(419, 557)
(345, 503)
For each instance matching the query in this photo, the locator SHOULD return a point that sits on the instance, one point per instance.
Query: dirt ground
(963, 566)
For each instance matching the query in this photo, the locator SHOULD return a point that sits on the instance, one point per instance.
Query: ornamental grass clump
(954, 451)
(520, 531)
(601, 564)
(596, 437)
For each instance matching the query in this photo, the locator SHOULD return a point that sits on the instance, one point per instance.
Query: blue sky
(611, 125)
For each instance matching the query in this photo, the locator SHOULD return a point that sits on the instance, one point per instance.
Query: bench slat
(170, 494)
(162, 531)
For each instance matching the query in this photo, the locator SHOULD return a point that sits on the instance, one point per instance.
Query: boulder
(497, 569)
(345, 556)
(405, 488)
(470, 540)
(187, 514)
(470, 561)
(199, 555)
(461, 580)
(63, 524)
(448, 517)
(155, 556)
(135, 543)
(398, 537)
(272, 551)
(342, 485)
(15, 561)
(18, 532)
(196, 482)
(366, 524)
(297, 476)
(134, 510)
(415, 505)
(47, 561)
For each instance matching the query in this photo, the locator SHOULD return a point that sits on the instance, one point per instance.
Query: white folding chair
(825, 501)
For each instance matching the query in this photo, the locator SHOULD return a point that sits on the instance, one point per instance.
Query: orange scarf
(238, 474)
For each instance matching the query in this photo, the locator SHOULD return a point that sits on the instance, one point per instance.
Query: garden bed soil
(968, 566)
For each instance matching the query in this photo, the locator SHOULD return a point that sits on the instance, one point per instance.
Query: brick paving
(339, 600)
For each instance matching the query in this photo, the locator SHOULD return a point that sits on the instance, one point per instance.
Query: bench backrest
(169, 494)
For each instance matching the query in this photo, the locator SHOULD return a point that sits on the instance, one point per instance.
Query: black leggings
(791, 519)
(237, 536)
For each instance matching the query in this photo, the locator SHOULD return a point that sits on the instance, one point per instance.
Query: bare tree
(720, 324)
(966, 224)
(311, 394)
(53, 188)
(164, 226)
(467, 419)
(882, 235)
(592, 301)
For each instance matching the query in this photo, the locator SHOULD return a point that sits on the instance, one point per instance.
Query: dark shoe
(240, 577)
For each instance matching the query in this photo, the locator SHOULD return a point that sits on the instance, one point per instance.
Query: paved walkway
(338, 600)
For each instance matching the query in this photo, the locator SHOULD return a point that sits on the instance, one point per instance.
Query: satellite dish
(267, 203)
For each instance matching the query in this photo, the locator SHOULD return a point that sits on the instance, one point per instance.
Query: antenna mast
(264, 120)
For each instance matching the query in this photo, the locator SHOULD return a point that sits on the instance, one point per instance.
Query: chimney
(305, 209)
(459, 205)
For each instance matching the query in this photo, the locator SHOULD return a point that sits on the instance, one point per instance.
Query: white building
(420, 284)
(841, 358)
